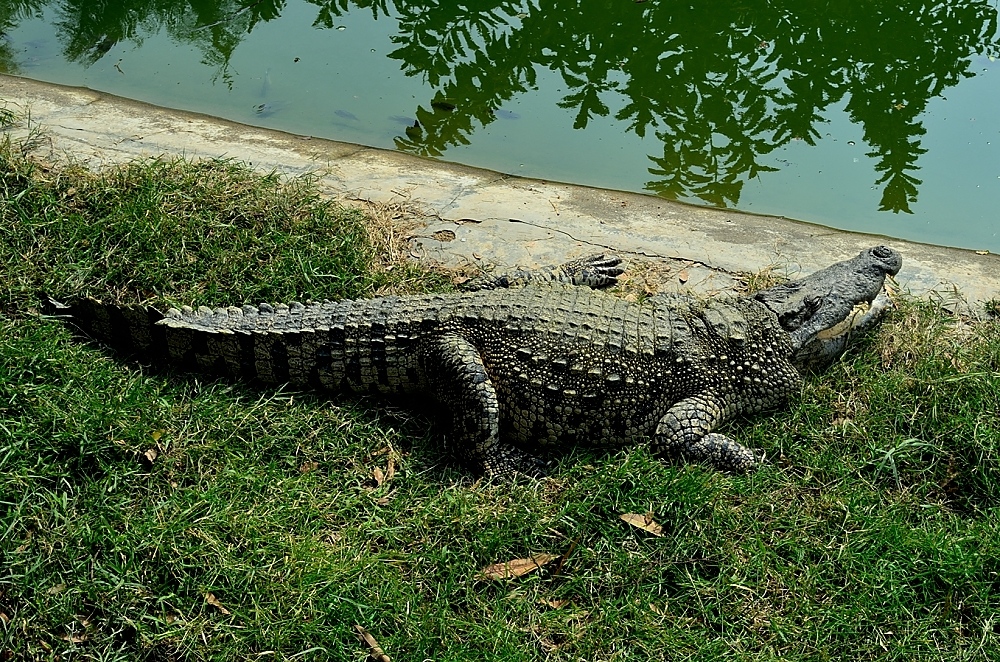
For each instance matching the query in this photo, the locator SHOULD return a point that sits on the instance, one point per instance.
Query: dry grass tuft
(759, 280)
(923, 330)
(390, 228)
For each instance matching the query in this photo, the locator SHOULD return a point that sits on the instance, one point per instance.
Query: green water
(873, 116)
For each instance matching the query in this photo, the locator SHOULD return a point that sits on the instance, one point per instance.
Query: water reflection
(720, 85)
(90, 30)
(13, 12)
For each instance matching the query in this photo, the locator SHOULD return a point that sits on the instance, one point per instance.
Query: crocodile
(529, 362)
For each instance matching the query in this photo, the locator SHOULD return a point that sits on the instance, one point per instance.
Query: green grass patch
(182, 232)
(128, 497)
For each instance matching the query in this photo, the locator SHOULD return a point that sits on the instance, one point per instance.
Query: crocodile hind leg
(463, 387)
(686, 430)
(594, 271)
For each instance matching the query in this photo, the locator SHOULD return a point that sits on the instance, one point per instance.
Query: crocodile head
(822, 311)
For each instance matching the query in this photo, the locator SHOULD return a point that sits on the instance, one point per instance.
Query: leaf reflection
(719, 85)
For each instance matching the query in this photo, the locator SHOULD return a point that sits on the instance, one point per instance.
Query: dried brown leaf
(151, 455)
(75, 638)
(517, 567)
(306, 467)
(644, 522)
(27, 541)
(375, 651)
(390, 470)
(444, 235)
(378, 476)
(555, 604)
(214, 601)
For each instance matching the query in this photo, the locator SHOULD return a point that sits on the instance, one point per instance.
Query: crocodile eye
(882, 252)
(791, 320)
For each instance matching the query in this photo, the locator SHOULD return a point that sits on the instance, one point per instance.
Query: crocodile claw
(595, 271)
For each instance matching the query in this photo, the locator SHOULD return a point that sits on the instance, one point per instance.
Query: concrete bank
(473, 215)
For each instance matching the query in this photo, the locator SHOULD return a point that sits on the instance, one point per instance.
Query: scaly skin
(523, 363)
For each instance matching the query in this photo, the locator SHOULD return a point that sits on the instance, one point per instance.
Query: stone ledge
(475, 215)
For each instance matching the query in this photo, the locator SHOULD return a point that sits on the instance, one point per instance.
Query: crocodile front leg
(686, 430)
(593, 271)
(462, 386)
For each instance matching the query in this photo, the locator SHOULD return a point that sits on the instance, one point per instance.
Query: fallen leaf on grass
(517, 567)
(555, 604)
(151, 455)
(381, 477)
(74, 638)
(644, 522)
(563, 557)
(375, 651)
(57, 589)
(308, 466)
(27, 541)
(214, 601)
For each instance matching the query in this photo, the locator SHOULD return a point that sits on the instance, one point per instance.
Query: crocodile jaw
(828, 345)
(821, 311)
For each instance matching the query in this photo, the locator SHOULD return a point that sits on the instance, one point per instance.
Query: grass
(151, 515)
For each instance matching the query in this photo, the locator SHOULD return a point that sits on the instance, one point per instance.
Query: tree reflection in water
(720, 85)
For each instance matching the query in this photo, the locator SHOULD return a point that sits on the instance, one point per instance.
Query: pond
(872, 116)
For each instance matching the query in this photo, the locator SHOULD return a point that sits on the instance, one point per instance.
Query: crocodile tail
(131, 331)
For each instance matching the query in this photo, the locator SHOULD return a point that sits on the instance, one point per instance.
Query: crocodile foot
(723, 453)
(506, 463)
(594, 271)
